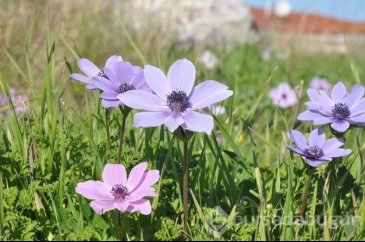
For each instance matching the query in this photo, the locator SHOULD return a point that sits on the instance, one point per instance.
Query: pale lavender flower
(117, 191)
(317, 149)
(340, 110)
(175, 100)
(90, 70)
(122, 77)
(320, 84)
(283, 96)
(18, 100)
(3, 100)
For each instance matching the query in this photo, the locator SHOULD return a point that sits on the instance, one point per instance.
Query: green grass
(61, 141)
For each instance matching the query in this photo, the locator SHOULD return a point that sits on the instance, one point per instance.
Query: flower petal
(340, 126)
(322, 121)
(111, 73)
(91, 87)
(101, 207)
(142, 100)
(314, 163)
(104, 84)
(295, 150)
(358, 108)
(150, 119)
(94, 190)
(143, 206)
(173, 121)
(208, 93)
(136, 175)
(198, 122)
(309, 115)
(181, 76)
(124, 72)
(110, 103)
(110, 96)
(339, 93)
(332, 144)
(316, 117)
(123, 206)
(359, 119)
(317, 138)
(149, 178)
(322, 99)
(140, 83)
(81, 78)
(141, 193)
(355, 95)
(112, 60)
(339, 152)
(157, 81)
(298, 139)
(114, 174)
(87, 67)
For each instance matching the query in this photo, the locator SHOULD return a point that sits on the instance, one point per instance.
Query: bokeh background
(161, 30)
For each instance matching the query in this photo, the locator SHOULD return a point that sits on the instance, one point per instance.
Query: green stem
(107, 128)
(305, 193)
(121, 136)
(186, 188)
(1, 205)
(119, 223)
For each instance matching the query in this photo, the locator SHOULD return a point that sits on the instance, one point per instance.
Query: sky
(349, 10)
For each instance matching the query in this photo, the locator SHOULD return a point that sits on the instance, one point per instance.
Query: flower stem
(120, 225)
(125, 113)
(107, 128)
(186, 187)
(305, 193)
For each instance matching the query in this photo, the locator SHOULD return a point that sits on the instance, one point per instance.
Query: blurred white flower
(320, 84)
(282, 8)
(283, 96)
(281, 55)
(217, 110)
(209, 60)
(266, 54)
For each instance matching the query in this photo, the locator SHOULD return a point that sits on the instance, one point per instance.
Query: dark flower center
(284, 96)
(126, 87)
(178, 101)
(341, 111)
(119, 192)
(102, 74)
(313, 152)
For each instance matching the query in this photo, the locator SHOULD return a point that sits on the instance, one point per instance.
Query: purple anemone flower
(175, 100)
(317, 150)
(283, 96)
(18, 100)
(122, 77)
(3, 100)
(117, 191)
(91, 70)
(320, 84)
(340, 110)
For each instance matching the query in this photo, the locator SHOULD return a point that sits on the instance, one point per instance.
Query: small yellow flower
(240, 138)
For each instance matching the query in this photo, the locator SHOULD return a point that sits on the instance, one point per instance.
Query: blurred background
(157, 31)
